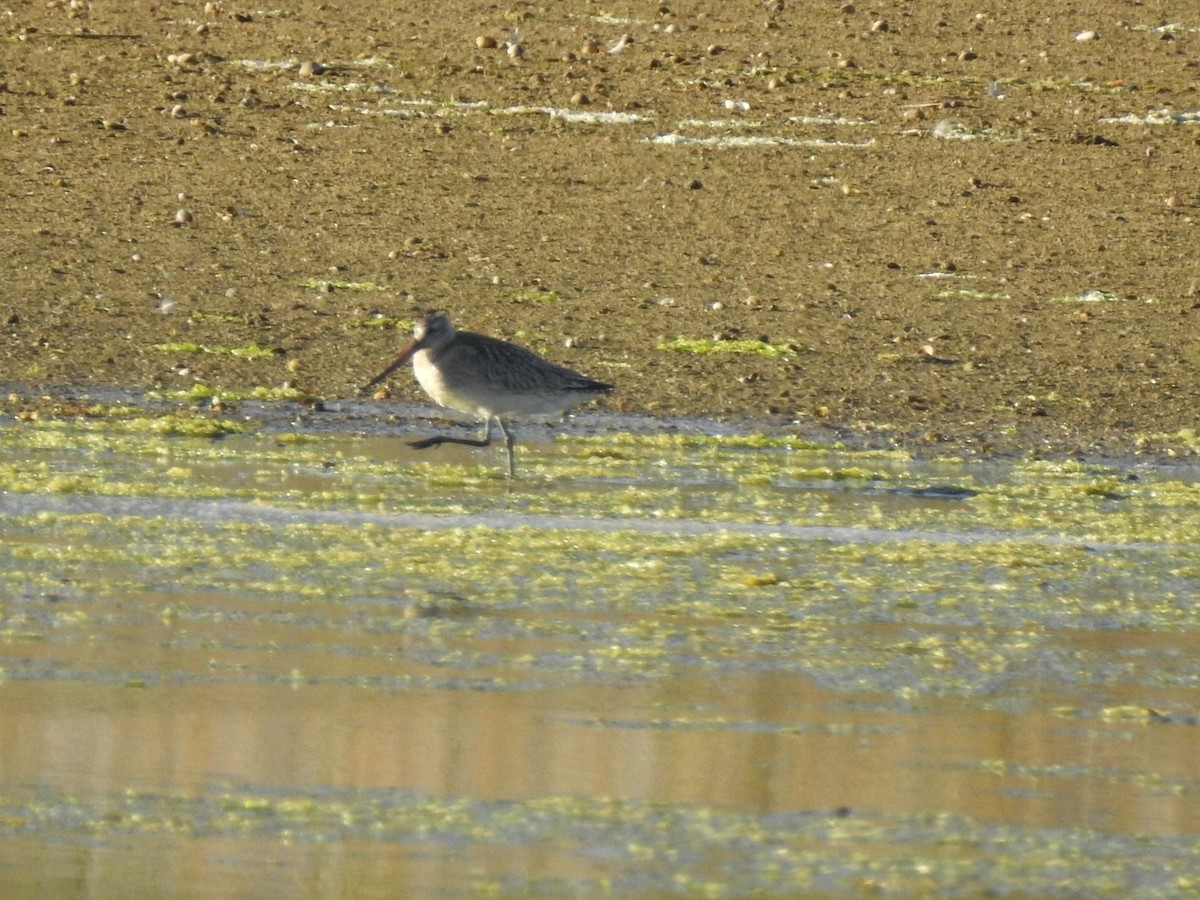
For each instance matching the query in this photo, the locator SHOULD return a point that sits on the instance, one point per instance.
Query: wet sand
(952, 231)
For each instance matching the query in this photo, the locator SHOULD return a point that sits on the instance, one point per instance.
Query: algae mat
(267, 662)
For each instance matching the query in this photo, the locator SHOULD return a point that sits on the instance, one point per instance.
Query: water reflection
(766, 744)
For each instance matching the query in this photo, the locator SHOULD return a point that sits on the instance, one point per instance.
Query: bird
(488, 378)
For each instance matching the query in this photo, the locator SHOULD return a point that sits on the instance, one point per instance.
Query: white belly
(483, 394)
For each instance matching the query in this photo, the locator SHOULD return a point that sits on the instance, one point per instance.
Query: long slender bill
(396, 363)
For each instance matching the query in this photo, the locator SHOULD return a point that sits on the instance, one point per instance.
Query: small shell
(485, 42)
(621, 44)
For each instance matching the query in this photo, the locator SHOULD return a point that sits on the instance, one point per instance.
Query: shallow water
(286, 663)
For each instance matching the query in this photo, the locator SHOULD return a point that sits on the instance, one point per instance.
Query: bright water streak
(268, 666)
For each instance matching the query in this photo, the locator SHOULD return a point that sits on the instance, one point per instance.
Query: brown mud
(958, 228)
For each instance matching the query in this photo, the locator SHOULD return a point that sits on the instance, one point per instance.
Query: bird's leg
(438, 439)
(484, 440)
(508, 443)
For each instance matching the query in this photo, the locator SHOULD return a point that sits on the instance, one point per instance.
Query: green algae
(789, 581)
(119, 431)
(253, 351)
(380, 321)
(537, 297)
(198, 393)
(716, 442)
(746, 481)
(1185, 441)
(220, 318)
(757, 348)
(632, 847)
(325, 285)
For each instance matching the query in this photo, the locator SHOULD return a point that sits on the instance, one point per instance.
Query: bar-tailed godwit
(488, 378)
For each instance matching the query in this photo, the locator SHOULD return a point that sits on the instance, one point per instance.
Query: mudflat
(938, 227)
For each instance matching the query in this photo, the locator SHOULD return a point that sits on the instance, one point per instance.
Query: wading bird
(488, 378)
